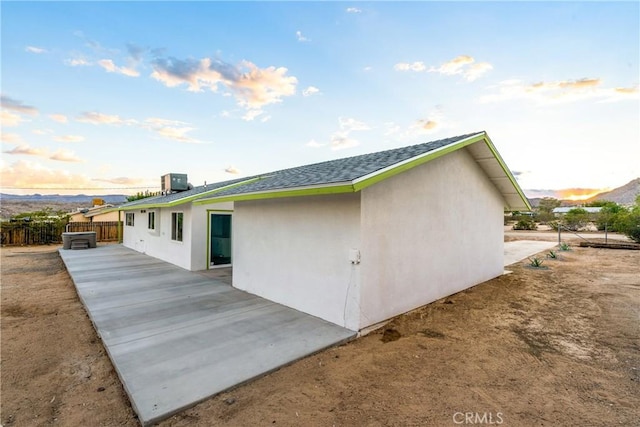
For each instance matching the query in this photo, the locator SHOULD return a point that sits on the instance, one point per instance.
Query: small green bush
(552, 255)
(525, 223)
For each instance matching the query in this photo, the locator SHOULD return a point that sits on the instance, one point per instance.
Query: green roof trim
(185, 199)
(315, 191)
(506, 170)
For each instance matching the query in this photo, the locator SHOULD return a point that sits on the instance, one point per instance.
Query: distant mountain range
(80, 199)
(624, 195)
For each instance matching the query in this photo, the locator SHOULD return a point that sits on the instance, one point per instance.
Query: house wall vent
(174, 182)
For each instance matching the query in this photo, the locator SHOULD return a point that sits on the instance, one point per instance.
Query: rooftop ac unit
(174, 182)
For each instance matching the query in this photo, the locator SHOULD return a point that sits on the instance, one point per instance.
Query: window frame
(129, 219)
(151, 221)
(177, 226)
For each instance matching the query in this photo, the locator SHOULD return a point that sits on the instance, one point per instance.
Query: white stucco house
(354, 241)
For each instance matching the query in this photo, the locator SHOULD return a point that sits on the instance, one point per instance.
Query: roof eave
(310, 190)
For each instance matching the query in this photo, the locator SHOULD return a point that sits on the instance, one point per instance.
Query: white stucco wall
(295, 251)
(428, 233)
(158, 244)
(199, 238)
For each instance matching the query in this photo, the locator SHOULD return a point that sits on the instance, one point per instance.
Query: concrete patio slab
(521, 249)
(177, 337)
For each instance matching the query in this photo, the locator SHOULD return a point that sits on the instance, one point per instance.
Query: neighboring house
(354, 241)
(100, 213)
(566, 209)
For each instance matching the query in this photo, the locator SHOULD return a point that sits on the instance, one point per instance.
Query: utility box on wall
(174, 182)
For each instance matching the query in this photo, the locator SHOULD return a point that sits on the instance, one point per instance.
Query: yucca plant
(564, 246)
(536, 262)
(552, 255)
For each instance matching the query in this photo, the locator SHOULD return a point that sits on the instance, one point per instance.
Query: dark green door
(220, 250)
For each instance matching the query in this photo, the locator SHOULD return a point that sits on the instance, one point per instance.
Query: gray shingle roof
(336, 171)
(330, 172)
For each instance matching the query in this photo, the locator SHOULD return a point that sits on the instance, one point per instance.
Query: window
(152, 220)
(129, 219)
(176, 226)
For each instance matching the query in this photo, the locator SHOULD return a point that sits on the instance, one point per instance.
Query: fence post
(559, 233)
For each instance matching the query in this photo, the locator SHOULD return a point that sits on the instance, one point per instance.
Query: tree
(609, 215)
(576, 219)
(545, 208)
(140, 195)
(628, 222)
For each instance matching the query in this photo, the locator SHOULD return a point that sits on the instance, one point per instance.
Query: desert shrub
(628, 223)
(576, 219)
(525, 223)
(610, 215)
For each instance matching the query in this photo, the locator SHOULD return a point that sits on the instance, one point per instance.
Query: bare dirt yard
(538, 347)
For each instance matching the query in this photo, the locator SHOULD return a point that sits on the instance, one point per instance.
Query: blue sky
(100, 95)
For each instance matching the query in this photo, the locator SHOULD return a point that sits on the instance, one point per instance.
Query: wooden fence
(42, 233)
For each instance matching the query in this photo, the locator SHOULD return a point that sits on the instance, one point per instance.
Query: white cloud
(314, 144)
(60, 118)
(108, 65)
(10, 137)
(367, 68)
(476, 70)
(232, 170)
(17, 106)
(252, 87)
(177, 134)
(9, 119)
(34, 49)
(353, 10)
(64, 155)
(311, 90)
(463, 65)
(557, 92)
(96, 118)
(78, 62)
(406, 66)
(341, 140)
(301, 38)
(25, 174)
(252, 114)
(69, 138)
(25, 149)
(42, 131)
(349, 124)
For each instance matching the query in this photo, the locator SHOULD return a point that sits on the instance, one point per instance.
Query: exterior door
(220, 249)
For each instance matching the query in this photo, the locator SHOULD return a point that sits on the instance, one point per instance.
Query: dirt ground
(537, 347)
